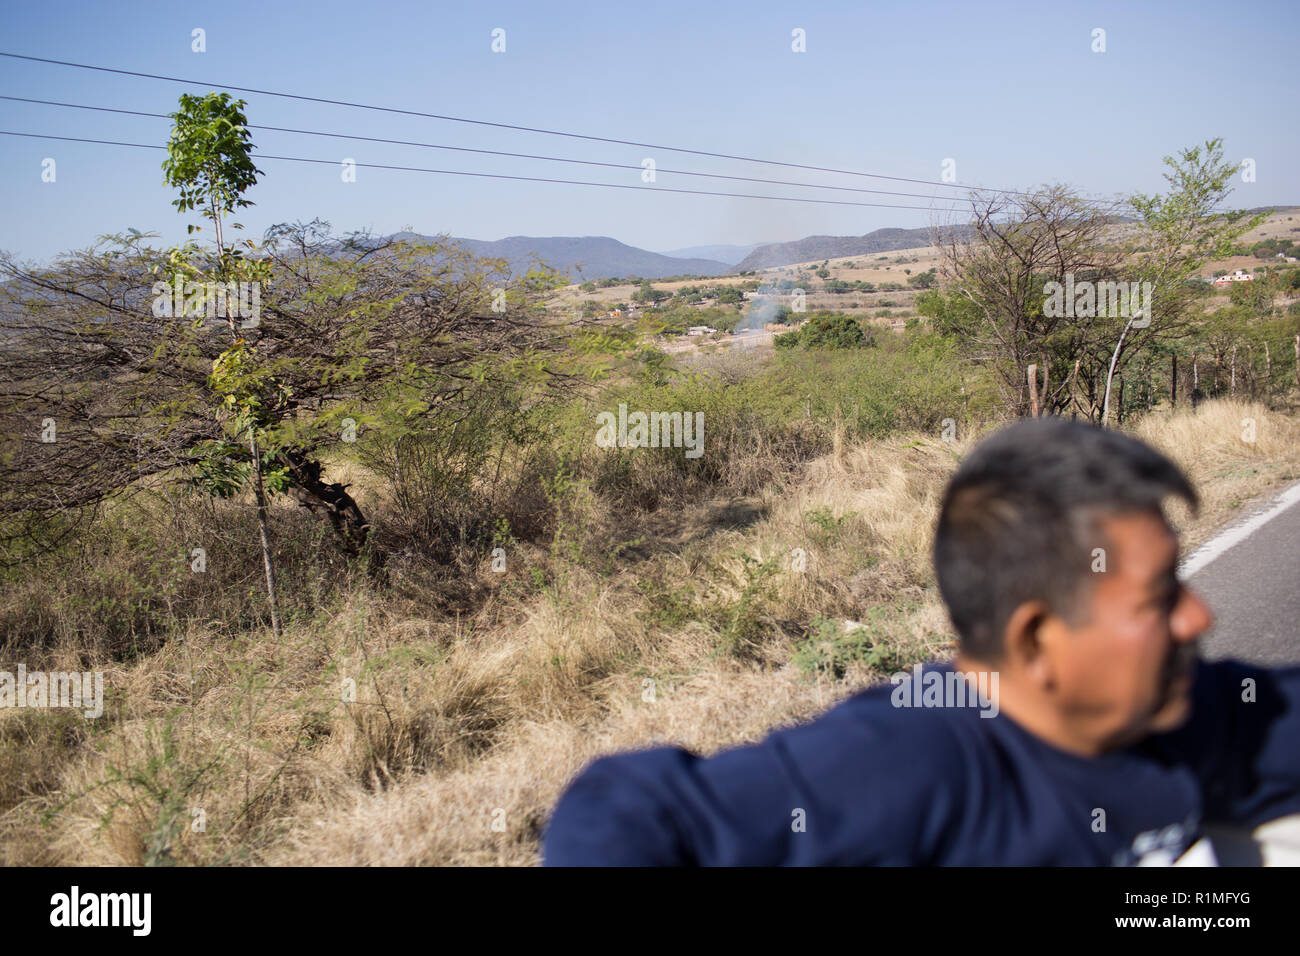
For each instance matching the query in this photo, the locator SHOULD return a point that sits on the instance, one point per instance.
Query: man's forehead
(1144, 543)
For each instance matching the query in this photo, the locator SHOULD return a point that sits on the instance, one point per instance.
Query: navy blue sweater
(872, 783)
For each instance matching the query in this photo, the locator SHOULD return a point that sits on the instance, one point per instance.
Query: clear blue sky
(1011, 91)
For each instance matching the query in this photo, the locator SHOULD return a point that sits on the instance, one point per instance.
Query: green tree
(649, 295)
(1178, 233)
(209, 164)
(1259, 295)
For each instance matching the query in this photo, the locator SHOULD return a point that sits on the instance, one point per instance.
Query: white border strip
(1207, 552)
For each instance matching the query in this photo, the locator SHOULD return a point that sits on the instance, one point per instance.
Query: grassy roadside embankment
(463, 731)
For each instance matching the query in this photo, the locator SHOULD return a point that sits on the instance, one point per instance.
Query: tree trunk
(1031, 374)
(259, 490)
(1173, 383)
(1232, 365)
(1110, 374)
(259, 493)
(315, 494)
(1072, 389)
(1196, 381)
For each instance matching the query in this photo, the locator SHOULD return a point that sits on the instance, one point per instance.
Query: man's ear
(1023, 641)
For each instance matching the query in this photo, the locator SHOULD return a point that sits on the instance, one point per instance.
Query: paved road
(1253, 586)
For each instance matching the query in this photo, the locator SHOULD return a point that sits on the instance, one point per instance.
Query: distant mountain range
(587, 257)
(600, 257)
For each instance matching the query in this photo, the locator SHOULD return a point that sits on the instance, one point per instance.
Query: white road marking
(1235, 535)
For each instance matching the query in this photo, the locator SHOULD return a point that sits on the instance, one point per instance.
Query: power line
(529, 179)
(476, 122)
(494, 152)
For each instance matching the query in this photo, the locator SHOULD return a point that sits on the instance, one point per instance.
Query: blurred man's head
(1059, 570)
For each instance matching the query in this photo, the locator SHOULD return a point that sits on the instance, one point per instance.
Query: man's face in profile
(1126, 672)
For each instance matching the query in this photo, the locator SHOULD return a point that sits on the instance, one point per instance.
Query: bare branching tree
(100, 391)
(1015, 245)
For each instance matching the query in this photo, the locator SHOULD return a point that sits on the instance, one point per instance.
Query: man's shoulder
(920, 719)
(1227, 691)
(932, 697)
(1232, 701)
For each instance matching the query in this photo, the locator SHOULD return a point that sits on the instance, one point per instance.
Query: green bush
(834, 331)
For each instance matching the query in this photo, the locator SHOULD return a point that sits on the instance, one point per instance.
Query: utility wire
(496, 152)
(477, 122)
(529, 179)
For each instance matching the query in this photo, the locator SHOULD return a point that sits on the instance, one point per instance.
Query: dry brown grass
(463, 732)
(1210, 445)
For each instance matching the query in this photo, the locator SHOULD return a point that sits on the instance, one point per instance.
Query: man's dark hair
(1022, 514)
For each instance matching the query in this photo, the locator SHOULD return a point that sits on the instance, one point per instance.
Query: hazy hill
(589, 257)
(833, 247)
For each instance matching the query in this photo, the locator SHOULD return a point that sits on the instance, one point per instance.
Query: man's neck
(1025, 707)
